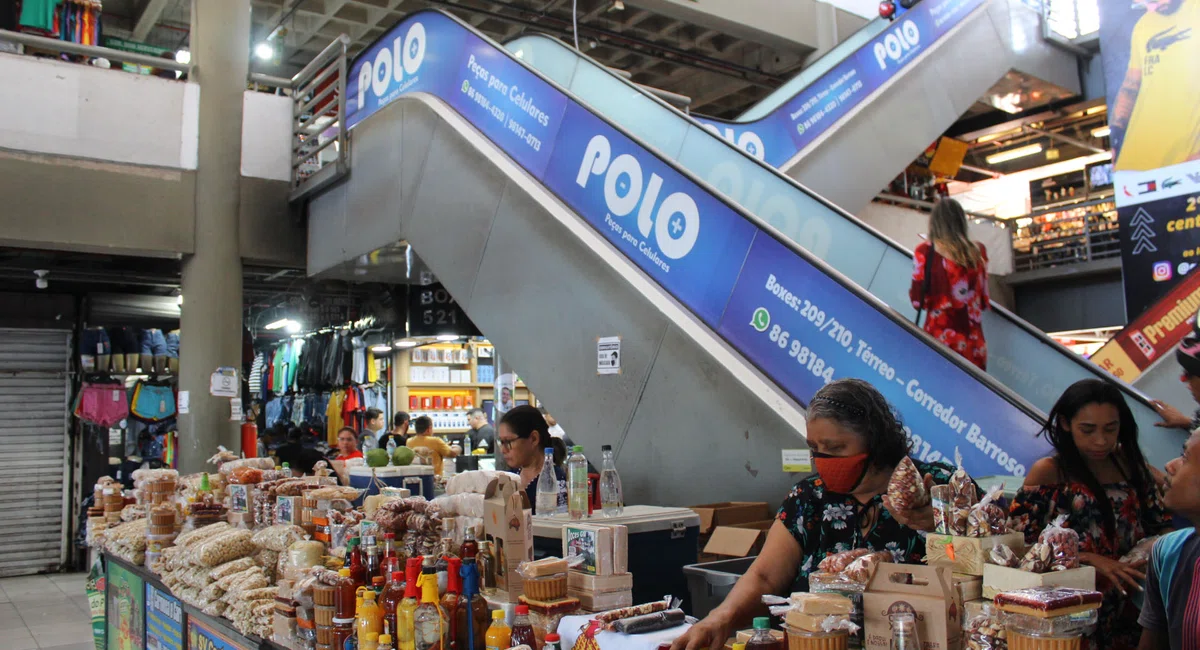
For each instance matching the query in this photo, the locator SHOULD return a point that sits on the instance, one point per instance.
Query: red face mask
(841, 474)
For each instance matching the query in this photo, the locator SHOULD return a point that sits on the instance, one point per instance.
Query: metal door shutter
(34, 389)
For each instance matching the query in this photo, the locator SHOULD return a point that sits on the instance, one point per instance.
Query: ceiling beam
(146, 20)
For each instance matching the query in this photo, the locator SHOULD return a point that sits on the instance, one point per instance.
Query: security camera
(42, 282)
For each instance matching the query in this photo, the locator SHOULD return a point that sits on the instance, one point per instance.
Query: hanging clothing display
(102, 404)
(152, 401)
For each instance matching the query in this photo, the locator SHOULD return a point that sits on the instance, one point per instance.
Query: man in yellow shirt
(1158, 105)
(425, 440)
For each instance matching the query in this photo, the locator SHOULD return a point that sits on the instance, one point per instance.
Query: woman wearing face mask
(856, 441)
(1098, 478)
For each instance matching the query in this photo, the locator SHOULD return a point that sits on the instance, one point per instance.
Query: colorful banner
(1155, 333)
(202, 636)
(164, 621)
(699, 248)
(786, 131)
(126, 609)
(1151, 59)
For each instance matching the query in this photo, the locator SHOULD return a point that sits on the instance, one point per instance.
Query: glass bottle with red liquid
(470, 547)
(389, 558)
(372, 561)
(358, 572)
(522, 630)
(393, 595)
(452, 600)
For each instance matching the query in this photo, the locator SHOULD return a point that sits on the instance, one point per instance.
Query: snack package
(612, 616)
(838, 562)
(943, 509)
(959, 521)
(649, 622)
(1002, 555)
(985, 631)
(906, 489)
(1063, 544)
(1048, 602)
(962, 488)
(1140, 553)
(1037, 559)
(986, 518)
(863, 568)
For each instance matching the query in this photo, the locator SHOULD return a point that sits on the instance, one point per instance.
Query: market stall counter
(141, 613)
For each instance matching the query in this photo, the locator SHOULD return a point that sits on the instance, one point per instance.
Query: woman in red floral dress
(958, 283)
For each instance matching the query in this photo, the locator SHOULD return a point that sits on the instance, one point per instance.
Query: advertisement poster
(1153, 334)
(1151, 57)
(126, 609)
(203, 637)
(164, 621)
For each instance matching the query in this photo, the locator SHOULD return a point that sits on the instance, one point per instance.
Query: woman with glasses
(523, 439)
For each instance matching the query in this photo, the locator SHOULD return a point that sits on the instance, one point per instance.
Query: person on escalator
(1188, 356)
(950, 283)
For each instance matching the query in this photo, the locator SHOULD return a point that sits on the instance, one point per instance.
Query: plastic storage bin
(662, 541)
(416, 478)
(711, 582)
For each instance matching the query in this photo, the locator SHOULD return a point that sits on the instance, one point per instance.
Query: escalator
(554, 227)
(1021, 357)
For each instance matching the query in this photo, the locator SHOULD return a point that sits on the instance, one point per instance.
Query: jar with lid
(904, 631)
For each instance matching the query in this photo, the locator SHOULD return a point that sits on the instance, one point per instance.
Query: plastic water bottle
(547, 489)
(612, 498)
(577, 484)
(391, 449)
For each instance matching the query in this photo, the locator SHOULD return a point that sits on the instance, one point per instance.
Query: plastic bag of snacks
(986, 518)
(1002, 555)
(279, 537)
(962, 488)
(837, 562)
(1037, 559)
(985, 631)
(1140, 553)
(1063, 543)
(906, 489)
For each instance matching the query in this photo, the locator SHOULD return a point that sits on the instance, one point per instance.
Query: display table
(571, 627)
(141, 613)
(661, 542)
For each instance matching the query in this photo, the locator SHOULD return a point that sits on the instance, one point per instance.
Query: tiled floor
(48, 611)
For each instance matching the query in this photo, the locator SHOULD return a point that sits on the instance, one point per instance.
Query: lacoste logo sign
(1167, 37)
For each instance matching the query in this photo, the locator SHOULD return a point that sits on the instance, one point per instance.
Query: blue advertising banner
(790, 319)
(164, 621)
(797, 123)
(1151, 61)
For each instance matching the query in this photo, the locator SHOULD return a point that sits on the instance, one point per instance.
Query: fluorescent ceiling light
(447, 337)
(277, 324)
(1096, 109)
(183, 56)
(381, 348)
(1013, 154)
(264, 51)
(1101, 132)
(404, 343)
(292, 327)
(996, 136)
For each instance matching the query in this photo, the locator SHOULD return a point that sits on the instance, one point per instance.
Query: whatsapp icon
(761, 319)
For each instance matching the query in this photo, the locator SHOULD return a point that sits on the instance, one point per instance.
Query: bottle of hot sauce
(452, 600)
(393, 595)
(358, 570)
(405, 612)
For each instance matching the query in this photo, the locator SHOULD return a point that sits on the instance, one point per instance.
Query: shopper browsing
(293, 452)
(348, 444)
(1168, 617)
(481, 432)
(856, 441)
(373, 424)
(950, 282)
(523, 440)
(439, 450)
(399, 432)
(1098, 478)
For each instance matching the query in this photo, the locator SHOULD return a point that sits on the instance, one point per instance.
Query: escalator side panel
(660, 129)
(327, 230)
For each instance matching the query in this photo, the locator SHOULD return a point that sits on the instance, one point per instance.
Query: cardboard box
(968, 554)
(926, 591)
(969, 587)
(729, 513)
(605, 547)
(732, 541)
(602, 602)
(998, 579)
(509, 526)
(577, 581)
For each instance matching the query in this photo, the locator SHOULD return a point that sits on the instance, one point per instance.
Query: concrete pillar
(212, 278)
(825, 15)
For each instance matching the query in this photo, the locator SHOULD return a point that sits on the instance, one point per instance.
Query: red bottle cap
(397, 576)
(552, 638)
(522, 610)
(389, 535)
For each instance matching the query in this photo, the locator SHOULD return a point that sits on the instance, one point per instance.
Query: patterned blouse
(824, 523)
(955, 304)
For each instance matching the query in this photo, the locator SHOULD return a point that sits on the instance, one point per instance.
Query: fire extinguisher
(249, 439)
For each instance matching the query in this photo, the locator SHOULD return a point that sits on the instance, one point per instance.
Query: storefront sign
(125, 609)
(433, 312)
(786, 131)
(1149, 57)
(201, 636)
(797, 324)
(164, 621)
(146, 49)
(1155, 333)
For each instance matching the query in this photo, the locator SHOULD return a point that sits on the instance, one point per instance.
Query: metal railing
(1074, 239)
(318, 119)
(93, 51)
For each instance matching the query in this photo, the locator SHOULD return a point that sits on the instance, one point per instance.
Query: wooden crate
(998, 579)
(970, 553)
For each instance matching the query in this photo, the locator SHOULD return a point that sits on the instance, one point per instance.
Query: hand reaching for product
(1122, 576)
(709, 634)
(918, 518)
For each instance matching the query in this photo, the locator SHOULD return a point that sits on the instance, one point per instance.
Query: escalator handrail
(1017, 401)
(999, 309)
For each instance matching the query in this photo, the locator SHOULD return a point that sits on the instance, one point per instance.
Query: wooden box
(998, 579)
(969, 554)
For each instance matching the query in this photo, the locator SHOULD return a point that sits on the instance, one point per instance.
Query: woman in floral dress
(956, 292)
(856, 441)
(1096, 453)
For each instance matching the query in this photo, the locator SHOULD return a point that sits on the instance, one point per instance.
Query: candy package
(837, 562)
(1063, 543)
(1037, 558)
(986, 518)
(863, 568)
(1140, 553)
(985, 631)
(962, 488)
(906, 489)
(1002, 555)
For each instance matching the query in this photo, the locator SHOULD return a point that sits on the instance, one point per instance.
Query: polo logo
(675, 221)
(896, 45)
(392, 64)
(748, 141)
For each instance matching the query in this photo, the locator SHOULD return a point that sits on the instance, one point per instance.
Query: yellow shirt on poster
(1164, 128)
(440, 449)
